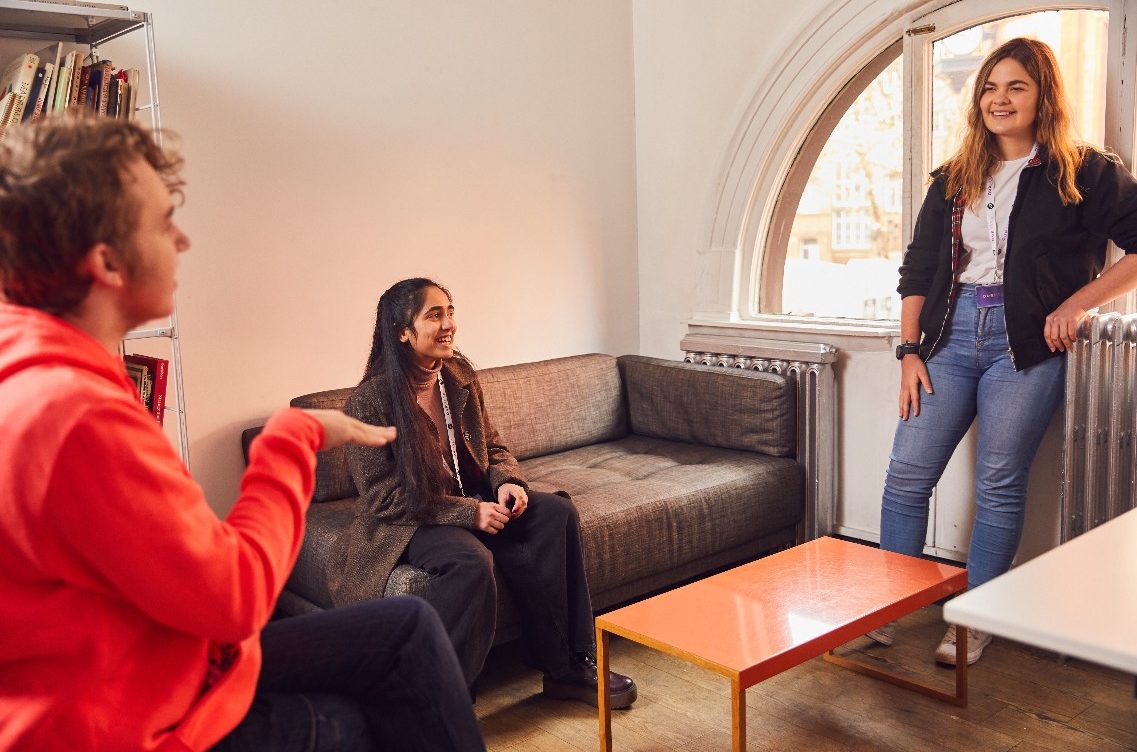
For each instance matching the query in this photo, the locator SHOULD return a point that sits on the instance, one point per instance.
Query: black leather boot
(580, 684)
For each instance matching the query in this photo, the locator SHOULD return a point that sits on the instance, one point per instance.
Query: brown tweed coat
(370, 547)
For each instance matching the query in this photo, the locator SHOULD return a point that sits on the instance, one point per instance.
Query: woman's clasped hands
(492, 516)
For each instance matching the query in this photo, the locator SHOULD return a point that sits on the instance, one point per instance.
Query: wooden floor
(1021, 699)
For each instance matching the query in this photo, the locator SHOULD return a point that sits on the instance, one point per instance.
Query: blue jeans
(378, 675)
(972, 375)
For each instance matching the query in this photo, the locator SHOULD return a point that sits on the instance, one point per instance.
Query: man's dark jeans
(376, 675)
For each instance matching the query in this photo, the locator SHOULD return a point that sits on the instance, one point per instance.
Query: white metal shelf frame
(93, 24)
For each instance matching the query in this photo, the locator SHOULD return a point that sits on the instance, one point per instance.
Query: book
(133, 81)
(76, 82)
(51, 57)
(154, 384)
(102, 94)
(63, 82)
(139, 374)
(40, 98)
(7, 104)
(99, 87)
(17, 77)
(94, 81)
(62, 90)
(123, 99)
(33, 94)
(112, 97)
(82, 95)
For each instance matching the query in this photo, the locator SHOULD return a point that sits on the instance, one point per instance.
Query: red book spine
(162, 368)
(158, 371)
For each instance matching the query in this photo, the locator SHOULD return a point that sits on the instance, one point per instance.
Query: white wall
(498, 146)
(698, 67)
(335, 149)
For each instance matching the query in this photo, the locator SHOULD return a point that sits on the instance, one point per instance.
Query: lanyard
(450, 433)
(997, 242)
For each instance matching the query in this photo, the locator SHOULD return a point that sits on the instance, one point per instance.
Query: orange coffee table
(757, 620)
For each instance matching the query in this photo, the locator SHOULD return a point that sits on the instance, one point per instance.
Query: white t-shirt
(978, 258)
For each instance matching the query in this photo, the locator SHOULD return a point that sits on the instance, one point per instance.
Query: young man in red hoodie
(133, 616)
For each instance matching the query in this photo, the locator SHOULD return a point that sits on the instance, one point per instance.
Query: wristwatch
(907, 348)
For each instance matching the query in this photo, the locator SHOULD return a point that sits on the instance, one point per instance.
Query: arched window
(826, 238)
(838, 255)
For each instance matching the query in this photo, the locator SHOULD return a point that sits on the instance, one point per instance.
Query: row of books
(40, 83)
(149, 377)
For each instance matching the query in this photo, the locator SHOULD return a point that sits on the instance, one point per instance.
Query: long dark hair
(424, 474)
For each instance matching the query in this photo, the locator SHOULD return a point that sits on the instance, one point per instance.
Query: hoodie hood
(31, 338)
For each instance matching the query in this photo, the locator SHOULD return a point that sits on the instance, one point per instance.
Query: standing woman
(450, 499)
(1004, 263)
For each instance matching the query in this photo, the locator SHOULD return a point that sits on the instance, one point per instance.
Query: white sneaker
(976, 641)
(884, 635)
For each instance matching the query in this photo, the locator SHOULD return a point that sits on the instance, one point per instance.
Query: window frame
(918, 41)
(765, 234)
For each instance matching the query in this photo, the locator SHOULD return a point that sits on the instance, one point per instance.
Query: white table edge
(1104, 556)
(956, 612)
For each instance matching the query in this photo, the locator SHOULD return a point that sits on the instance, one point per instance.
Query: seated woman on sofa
(452, 507)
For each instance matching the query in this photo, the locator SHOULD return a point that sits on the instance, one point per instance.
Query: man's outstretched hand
(340, 429)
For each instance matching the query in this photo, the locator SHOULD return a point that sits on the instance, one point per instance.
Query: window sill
(808, 325)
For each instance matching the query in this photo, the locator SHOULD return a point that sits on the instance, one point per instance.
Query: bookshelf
(27, 25)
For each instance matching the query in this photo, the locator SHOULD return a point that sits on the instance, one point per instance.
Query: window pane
(845, 245)
(845, 242)
(1078, 38)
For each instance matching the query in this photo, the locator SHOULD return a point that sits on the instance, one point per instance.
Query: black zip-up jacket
(1052, 250)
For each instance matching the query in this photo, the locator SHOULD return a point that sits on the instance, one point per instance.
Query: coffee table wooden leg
(959, 698)
(603, 690)
(737, 715)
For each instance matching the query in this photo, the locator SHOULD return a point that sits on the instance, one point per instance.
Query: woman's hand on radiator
(1061, 327)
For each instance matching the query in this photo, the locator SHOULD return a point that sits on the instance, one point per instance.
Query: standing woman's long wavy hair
(968, 169)
(417, 452)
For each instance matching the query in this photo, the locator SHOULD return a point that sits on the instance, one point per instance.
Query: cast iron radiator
(1098, 446)
(809, 367)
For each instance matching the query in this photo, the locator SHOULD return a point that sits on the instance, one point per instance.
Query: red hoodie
(117, 581)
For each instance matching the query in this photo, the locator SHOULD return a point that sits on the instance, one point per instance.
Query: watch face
(908, 348)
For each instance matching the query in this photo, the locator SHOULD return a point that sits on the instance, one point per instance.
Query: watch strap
(907, 348)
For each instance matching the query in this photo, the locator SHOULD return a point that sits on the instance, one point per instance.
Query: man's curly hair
(61, 193)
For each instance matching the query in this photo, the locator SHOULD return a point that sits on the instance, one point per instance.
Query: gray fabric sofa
(677, 470)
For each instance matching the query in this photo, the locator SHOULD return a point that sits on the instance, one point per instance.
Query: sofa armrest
(722, 407)
(247, 437)
(333, 479)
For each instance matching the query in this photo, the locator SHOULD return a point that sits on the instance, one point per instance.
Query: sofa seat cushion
(646, 506)
(650, 505)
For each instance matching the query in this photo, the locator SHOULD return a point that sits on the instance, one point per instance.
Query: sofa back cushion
(538, 408)
(554, 405)
(333, 479)
(728, 408)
